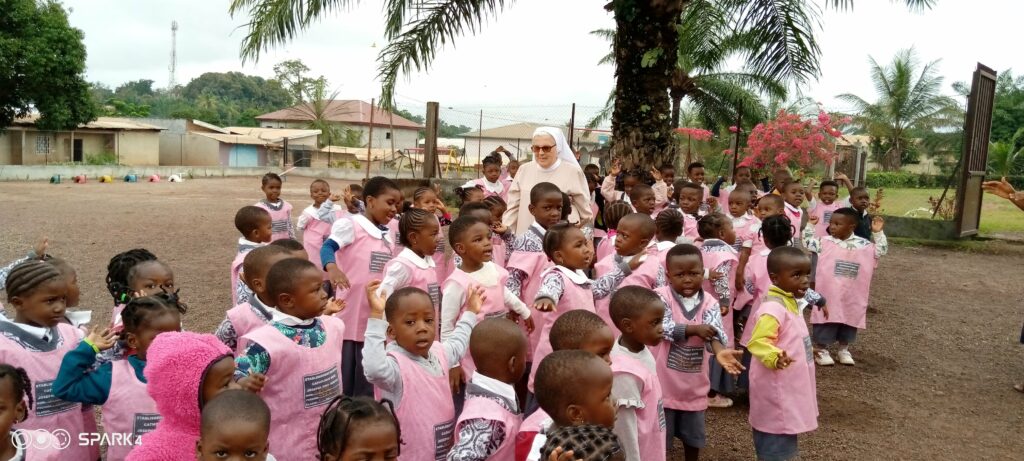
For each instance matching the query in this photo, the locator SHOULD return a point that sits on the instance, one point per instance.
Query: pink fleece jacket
(175, 367)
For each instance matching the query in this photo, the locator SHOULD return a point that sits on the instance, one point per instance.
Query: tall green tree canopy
(646, 39)
(909, 104)
(42, 66)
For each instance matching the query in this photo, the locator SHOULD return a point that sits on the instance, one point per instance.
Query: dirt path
(934, 368)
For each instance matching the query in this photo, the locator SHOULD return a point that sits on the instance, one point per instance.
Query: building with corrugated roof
(354, 115)
(517, 139)
(121, 140)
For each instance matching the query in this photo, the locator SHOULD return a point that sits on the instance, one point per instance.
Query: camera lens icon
(61, 439)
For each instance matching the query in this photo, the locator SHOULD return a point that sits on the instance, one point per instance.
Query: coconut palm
(909, 104)
(647, 37)
(1006, 157)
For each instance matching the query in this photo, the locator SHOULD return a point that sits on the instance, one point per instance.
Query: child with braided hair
(415, 265)
(120, 386)
(358, 428)
(504, 238)
(15, 403)
(589, 442)
(37, 341)
(669, 224)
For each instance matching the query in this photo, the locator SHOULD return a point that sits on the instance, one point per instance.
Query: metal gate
(975, 154)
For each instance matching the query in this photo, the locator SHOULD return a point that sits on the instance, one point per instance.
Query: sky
(531, 61)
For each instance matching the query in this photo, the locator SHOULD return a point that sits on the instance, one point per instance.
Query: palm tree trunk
(642, 122)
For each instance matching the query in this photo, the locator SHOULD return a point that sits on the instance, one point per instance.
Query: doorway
(76, 151)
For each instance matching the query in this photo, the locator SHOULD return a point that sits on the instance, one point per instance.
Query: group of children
(394, 331)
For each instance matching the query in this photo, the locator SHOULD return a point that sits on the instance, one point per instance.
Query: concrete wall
(920, 228)
(5, 146)
(137, 148)
(404, 138)
(43, 173)
(189, 149)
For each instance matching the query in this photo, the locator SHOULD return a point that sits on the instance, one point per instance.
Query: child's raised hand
(337, 277)
(841, 177)
(544, 305)
(476, 299)
(729, 359)
(499, 228)
(336, 198)
(375, 299)
(783, 361)
(812, 219)
(253, 383)
(41, 246)
(877, 224)
(637, 260)
(706, 332)
(101, 338)
(616, 167)
(440, 206)
(455, 379)
(656, 174)
(334, 306)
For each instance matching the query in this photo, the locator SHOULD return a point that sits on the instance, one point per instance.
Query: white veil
(564, 153)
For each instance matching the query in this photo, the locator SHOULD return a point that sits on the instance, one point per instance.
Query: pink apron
(244, 320)
(488, 409)
(713, 259)
(494, 307)
(843, 277)
(757, 274)
(426, 412)
(824, 214)
(532, 264)
(644, 276)
(362, 261)
(573, 297)
(785, 401)
(300, 383)
(129, 409)
(280, 219)
(49, 412)
(314, 236)
(683, 367)
(650, 420)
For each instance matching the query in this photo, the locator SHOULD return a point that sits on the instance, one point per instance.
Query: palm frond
(605, 114)
(416, 46)
(780, 37)
(913, 5)
(703, 30)
(275, 22)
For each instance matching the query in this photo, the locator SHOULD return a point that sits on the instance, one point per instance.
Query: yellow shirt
(766, 330)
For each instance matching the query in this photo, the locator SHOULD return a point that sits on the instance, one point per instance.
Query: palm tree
(909, 105)
(1005, 157)
(646, 39)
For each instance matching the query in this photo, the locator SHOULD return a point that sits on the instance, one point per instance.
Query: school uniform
(303, 368)
(497, 188)
(569, 290)
(280, 219)
(636, 392)
(409, 269)
(683, 363)
(795, 215)
(746, 227)
(239, 291)
(241, 319)
(418, 387)
(532, 436)
(650, 274)
(783, 402)
(40, 351)
(690, 227)
(119, 386)
(843, 275)
(721, 257)
(360, 249)
(610, 194)
(524, 265)
(316, 230)
(500, 301)
(823, 211)
(487, 427)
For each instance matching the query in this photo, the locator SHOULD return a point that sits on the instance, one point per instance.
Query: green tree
(292, 76)
(1008, 110)
(646, 40)
(42, 66)
(909, 105)
(1006, 157)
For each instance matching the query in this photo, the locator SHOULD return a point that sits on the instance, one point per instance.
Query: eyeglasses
(538, 149)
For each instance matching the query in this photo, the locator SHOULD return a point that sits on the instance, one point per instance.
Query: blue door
(244, 156)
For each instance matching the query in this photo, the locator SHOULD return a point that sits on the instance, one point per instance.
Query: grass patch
(977, 245)
(998, 216)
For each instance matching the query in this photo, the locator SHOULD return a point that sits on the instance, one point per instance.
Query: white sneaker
(845, 357)
(824, 359)
(719, 401)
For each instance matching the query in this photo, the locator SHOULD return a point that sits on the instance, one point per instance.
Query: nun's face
(545, 151)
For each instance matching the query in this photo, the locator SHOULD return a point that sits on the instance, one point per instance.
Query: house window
(42, 144)
(387, 135)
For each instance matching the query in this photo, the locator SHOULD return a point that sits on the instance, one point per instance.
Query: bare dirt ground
(934, 372)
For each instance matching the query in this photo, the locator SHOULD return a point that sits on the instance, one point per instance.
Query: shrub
(907, 180)
(103, 158)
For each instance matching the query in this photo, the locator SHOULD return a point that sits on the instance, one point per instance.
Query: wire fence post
(369, 144)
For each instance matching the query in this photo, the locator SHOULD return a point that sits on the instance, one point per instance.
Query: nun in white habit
(555, 163)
